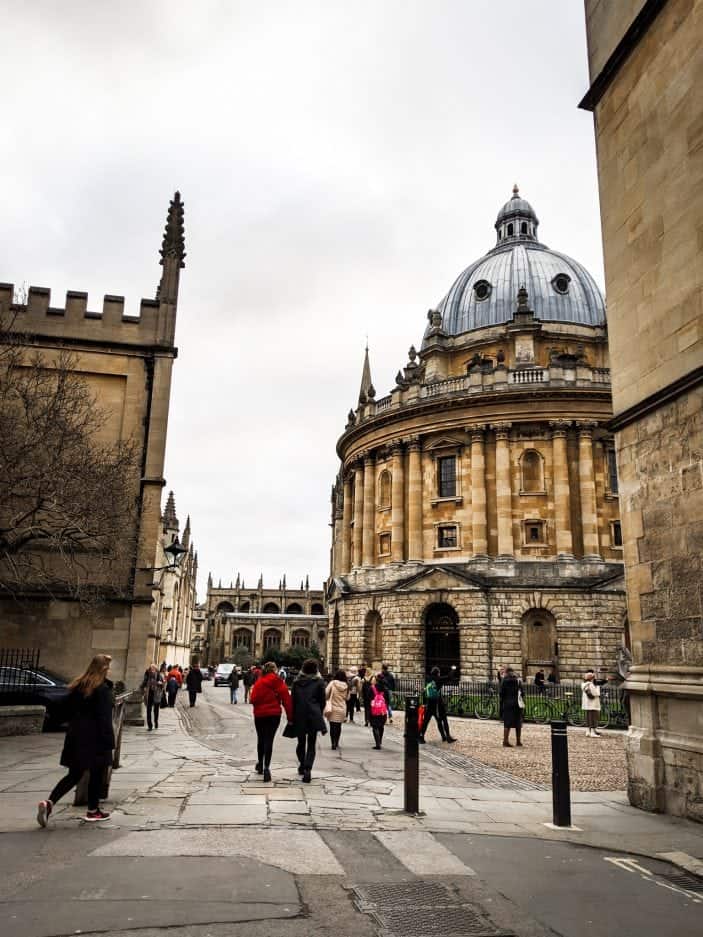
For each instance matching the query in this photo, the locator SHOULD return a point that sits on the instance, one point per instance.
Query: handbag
(289, 731)
(520, 699)
(327, 711)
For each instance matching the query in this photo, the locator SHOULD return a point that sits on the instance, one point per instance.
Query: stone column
(587, 491)
(345, 562)
(562, 508)
(398, 504)
(479, 523)
(414, 500)
(369, 536)
(358, 513)
(504, 491)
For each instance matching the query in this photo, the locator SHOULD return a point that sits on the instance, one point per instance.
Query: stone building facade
(174, 592)
(646, 94)
(126, 361)
(475, 515)
(260, 619)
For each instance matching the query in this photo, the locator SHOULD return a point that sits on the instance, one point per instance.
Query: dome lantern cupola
(516, 220)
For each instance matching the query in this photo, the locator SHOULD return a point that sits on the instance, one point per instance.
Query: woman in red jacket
(267, 696)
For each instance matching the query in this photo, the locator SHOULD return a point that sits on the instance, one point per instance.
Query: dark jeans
(335, 733)
(377, 725)
(172, 696)
(351, 707)
(74, 775)
(305, 749)
(192, 696)
(266, 728)
(152, 711)
(433, 708)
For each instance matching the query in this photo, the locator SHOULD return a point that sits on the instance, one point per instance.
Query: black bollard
(412, 756)
(561, 791)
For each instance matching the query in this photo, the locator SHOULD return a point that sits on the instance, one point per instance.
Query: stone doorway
(540, 648)
(442, 642)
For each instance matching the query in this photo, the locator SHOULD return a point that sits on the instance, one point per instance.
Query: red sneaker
(92, 816)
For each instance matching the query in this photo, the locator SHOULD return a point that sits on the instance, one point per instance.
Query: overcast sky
(340, 164)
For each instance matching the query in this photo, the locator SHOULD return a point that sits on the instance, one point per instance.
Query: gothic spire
(367, 389)
(170, 519)
(172, 251)
(186, 534)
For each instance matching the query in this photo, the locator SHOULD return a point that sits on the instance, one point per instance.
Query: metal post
(412, 755)
(561, 792)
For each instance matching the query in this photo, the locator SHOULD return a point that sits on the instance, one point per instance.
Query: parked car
(23, 687)
(222, 674)
(206, 673)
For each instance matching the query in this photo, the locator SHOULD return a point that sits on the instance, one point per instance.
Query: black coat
(308, 704)
(90, 738)
(194, 680)
(510, 711)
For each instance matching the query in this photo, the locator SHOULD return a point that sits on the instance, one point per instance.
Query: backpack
(431, 691)
(378, 704)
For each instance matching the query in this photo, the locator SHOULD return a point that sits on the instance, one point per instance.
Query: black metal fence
(18, 669)
(477, 699)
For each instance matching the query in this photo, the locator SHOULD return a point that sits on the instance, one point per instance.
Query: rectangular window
(384, 544)
(617, 534)
(612, 471)
(534, 532)
(446, 470)
(447, 537)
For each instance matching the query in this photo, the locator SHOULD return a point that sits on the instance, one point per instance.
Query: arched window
(532, 472)
(244, 606)
(373, 643)
(300, 638)
(317, 609)
(271, 608)
(272, 638)
(242, 638)
(523, 228)
(222, 608)
(510, 231)
(384, 489)
(294, 609)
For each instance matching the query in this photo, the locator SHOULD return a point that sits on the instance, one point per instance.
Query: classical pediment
(438, 579)
(444, 442)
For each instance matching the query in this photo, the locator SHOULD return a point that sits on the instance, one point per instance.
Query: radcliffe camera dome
(559, 288)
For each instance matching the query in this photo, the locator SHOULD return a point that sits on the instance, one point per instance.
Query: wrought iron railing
(480, 700)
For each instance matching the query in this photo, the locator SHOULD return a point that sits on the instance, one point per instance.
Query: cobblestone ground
(594, 764)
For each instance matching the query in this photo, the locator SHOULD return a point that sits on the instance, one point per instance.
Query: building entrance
(442, 643)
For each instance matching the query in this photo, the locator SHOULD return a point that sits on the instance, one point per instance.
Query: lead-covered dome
(485, 294)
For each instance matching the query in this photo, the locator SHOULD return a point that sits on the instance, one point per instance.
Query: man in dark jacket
(308, 706)
(194, 682)
(233, 681)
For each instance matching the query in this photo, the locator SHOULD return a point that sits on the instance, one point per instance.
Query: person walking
(590, 703)
(540, 682)
(90, 739)
(308, 706)
(194, 682)
(233, 681)
(365, 694)
(153, 690)
(337, 694)
(268, 695)
(246, 680)
(379, 703)
(389, 679)
(511, 707)
(173, 685)
(354, 683)
(433, 698)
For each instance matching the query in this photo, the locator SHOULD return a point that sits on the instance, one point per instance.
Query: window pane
(447, 537)
(617, 534)
(612, 471)
(447, 477)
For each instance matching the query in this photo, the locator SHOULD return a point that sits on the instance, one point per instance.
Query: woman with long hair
(308, 705)
(90, 739)
(379, 701)
(267, 696)
(337, 694)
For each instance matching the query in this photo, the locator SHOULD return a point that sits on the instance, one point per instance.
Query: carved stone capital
(586, 427)
(559, 428)
(413, 443)
(369, 458)
(476, 432)
(502, 429)
(396, 447)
